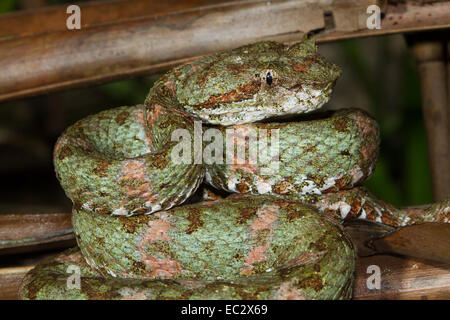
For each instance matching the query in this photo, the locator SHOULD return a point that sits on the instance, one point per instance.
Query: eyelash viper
(136, 239)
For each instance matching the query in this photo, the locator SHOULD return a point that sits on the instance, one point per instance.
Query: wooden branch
(448, 89)
(143, 42)
(403, 278)
(426, 241)
(429, 51)
(401, 17)
(10, 281)
(52, 19)
(400, 279)
(35, 232)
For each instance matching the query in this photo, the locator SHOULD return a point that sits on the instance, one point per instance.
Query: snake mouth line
(311, 116)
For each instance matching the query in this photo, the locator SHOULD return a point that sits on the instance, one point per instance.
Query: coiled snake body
(136, 239)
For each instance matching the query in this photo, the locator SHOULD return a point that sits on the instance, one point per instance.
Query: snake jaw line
(260, 107)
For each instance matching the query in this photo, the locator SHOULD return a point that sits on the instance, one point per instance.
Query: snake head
(255, 82)
(309, 68)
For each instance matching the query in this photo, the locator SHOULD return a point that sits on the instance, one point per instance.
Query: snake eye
(269, 78)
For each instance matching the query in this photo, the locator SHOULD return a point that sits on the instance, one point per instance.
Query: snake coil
(136, 240)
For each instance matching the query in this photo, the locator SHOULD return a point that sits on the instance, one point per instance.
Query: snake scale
(277, 237)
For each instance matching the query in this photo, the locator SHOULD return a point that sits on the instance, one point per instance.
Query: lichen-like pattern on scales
(277, 237)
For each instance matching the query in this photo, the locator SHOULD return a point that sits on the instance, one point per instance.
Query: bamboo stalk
(35, 232)
(429, 52)
(117, 48)
(403, 278)
(448, 90)
(52, 18)
(10, 281)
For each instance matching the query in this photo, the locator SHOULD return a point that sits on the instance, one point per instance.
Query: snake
(140, 235)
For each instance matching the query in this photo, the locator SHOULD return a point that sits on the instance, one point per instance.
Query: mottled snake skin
(109, 163)
(315, 157)
(279, 237)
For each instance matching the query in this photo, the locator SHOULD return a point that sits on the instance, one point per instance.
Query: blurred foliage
(7, 5)
(401, 176)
